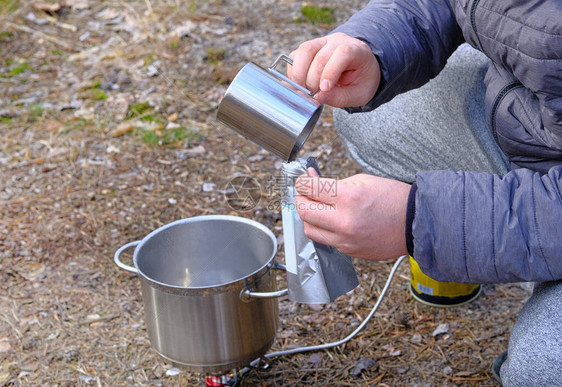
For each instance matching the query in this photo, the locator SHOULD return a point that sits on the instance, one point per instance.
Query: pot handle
(289, 60)
(117, 257)
(246, 294)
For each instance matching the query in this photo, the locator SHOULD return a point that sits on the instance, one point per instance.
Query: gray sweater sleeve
(479, 228)
(412, 40)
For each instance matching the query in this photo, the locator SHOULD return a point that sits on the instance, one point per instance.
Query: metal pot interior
(205, 251)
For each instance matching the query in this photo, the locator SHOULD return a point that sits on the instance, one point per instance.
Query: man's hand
(343, 68)
(363, 216)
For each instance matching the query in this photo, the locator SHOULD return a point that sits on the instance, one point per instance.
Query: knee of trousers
(361, 131)
(381, 146)
(524, 368)
(535, 347)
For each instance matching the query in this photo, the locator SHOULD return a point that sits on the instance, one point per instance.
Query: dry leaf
(315, 359)
(52, 126)
(77, 4)
(121, 129)
(4, 377)
(47, 7)
(30, 367)
(364, 364)
(5, 345)
(93, 317)
(31, 271)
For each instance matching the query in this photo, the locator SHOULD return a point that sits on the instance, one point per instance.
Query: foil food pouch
(316, 273)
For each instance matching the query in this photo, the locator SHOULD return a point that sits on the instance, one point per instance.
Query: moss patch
(138, 109)
(8, 6)
(19, 69)
(214, 55)
(318, 15)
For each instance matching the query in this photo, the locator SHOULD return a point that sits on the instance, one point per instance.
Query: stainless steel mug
(269, 109)
(208, 290)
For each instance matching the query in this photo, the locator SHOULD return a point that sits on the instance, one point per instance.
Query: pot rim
(193, 219)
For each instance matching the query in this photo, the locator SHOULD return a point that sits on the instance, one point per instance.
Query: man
(485, 165)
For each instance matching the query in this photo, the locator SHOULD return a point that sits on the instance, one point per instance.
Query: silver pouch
(316, 273)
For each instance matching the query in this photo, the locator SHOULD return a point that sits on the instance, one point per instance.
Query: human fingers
(312, 172)
(338, 240)
(316, 213)
(302, 59)
(320, 235)
(314, 75)
(351, 56)
(351, 76)
(317, 188)
(337, 44)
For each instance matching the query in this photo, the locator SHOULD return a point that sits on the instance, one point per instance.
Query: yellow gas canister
(442, 294)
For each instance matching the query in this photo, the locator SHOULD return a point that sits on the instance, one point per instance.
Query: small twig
(469, 379)
(148, 6)
(43, 35)
(113, 357)
(12, 325)
(441, 352)
(99, 319)
(376, 380)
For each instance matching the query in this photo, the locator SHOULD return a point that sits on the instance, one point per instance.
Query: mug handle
(246, 294)
(117, 256)
(288, 60)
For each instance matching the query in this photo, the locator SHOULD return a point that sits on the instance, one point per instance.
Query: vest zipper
(473, 21)
(499, 98)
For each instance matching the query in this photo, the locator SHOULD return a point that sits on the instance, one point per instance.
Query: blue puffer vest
(473, 226)
(524, 82)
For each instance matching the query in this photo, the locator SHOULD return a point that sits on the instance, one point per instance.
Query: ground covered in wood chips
(108, 131)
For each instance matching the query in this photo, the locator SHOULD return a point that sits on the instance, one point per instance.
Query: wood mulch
(107, 118)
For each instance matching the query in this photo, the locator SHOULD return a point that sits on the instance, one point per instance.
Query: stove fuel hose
(347, 338)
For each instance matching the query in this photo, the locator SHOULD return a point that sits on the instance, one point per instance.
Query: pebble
(441, 329)
(74, 104)
(416, 338)
(363, 365)
(9, 113)
(391, 350)
(256, 158)
(173, 372)
(112, 149)
(198, 150)
(315, 359)
(152, 69)
(86, 379)
(37, 20)
(5, 345)
(182, 154)
(208, 187)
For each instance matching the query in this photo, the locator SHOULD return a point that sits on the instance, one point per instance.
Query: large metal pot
(198, 276)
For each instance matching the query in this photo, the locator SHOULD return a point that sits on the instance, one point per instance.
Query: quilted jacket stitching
(537, 233)
(493, 228)
(480, 34)
(464, 225)
(521, 23)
